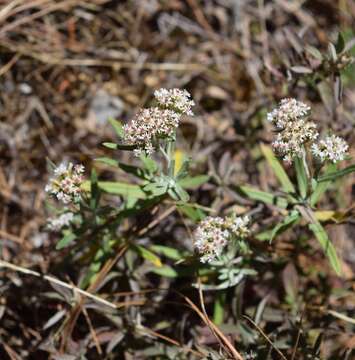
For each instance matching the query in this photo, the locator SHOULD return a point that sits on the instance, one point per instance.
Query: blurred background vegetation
(66, 67)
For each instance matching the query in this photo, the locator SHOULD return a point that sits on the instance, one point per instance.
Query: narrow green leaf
(195, 214)
(65, 240)
(149, 163)
(114, 146)
(327, 246)
(314, 52)
(117, 126)
(218, 309)
(166, 271)
(107, 161)
(321, 187)
(279, 171)
(118, 188)
(286, 223)
(192, 182)
(182, 194)
(167, 251)
(147, 254)
(336, 174)
(340, 44)
(110, 145)
(94, 190)
(301, 177)
(258, 195)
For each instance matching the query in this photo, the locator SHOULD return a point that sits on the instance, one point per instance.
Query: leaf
(182, 194)
(336, 174)
(147, 254)
(340, 44)
(94, 190)
(321, 187)
(258, 195)
(108, 161)
(338, 89)
(167, 251)
(156, 189)
(179, 160)
(166, 271)
(114, 146)
(134, 170)
(192, 182)
(332, 52)
(314, 52)
(326, 245)
(286, 223)
(54, 319)
(195, 214)
(324, 215)
(118, 188)
(301, 70)
(65, 240)
(219, 306)
(279, 171)
(110, 145)
(149, 163)
(117, 126)
(301, 177)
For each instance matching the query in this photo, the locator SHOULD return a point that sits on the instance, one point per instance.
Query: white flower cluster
(333, 148)
(175, 99)
(148, 125)
(55, 224)
(152, 124)
(65, 185)
(289, 110)
(214, 233)
(289, 142)
(294, 129)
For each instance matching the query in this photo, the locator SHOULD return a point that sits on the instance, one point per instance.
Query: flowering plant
(315, 163)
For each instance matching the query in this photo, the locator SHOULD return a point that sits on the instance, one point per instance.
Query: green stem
(170, 149)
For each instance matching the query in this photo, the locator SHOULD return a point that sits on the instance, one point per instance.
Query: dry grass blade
(216, 330)
(54, 280)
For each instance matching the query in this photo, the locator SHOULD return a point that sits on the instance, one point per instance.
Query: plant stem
(170, 149)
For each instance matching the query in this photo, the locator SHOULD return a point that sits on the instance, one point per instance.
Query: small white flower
(288, 110)
(333, 148)
(65, 185)
(175, 99)
(56, 224)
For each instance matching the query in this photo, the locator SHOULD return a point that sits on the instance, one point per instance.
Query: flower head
(214, 233)
(57, 223)
(175, 99)
(333, 148)
(293, 128)
(289, 110)
(150, 125)
(65, 185)
(289, 142)
(238, 225)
